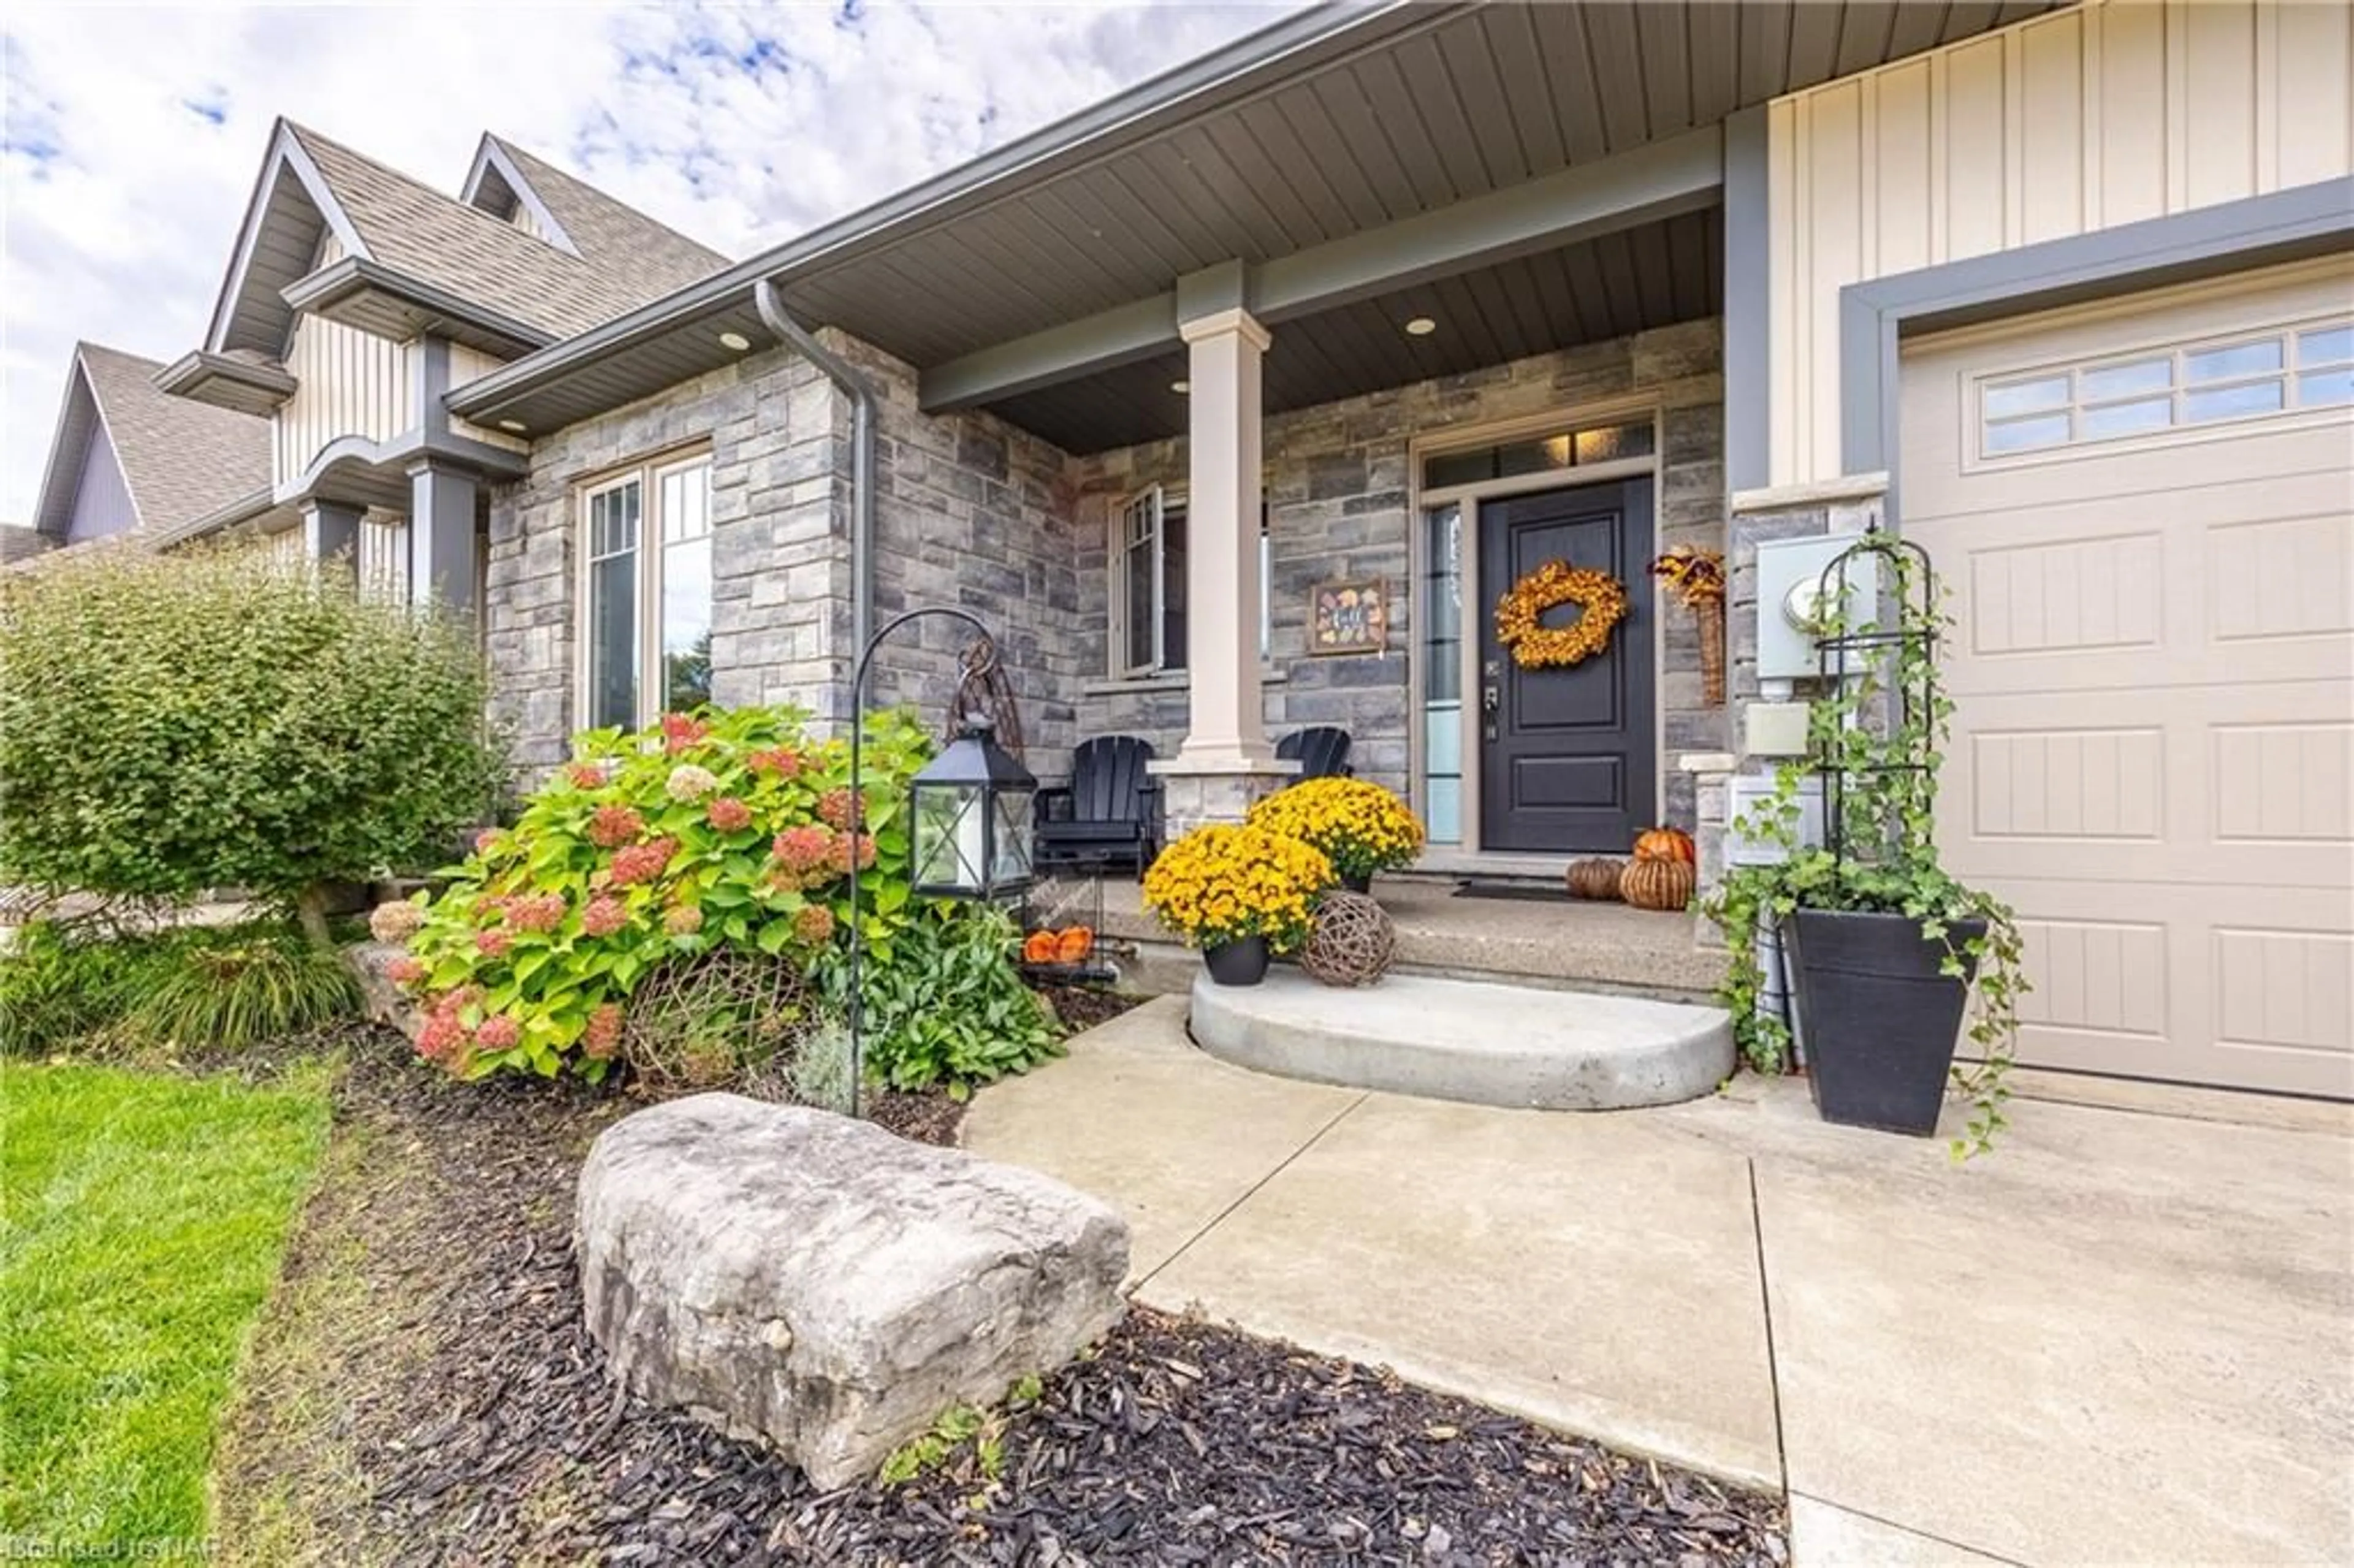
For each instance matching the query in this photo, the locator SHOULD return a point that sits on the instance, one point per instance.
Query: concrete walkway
(2126, 1337)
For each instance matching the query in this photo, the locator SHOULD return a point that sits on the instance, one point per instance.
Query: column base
(1198, 790)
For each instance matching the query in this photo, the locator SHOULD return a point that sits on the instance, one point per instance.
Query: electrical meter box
(1744, 793)
(1790, 604)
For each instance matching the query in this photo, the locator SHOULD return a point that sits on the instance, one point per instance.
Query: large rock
(816, 1281)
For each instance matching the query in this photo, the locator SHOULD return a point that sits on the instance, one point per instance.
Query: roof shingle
(182, 460)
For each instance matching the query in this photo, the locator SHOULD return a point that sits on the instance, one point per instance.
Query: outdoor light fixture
(1421, 326)
(969, 809)
(515, 425)
(1181, 386)
(969, 819)
(735, 340)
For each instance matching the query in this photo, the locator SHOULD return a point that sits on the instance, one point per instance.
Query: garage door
(2145, 515)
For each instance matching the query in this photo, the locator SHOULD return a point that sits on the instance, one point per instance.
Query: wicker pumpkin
(1658, 883)
(1594, 879)
(1665, 844)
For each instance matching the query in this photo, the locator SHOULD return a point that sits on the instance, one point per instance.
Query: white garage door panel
(2153, 672)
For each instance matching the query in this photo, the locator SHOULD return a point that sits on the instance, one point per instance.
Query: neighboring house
(1426, 296)
(129, 460)
(357, 298)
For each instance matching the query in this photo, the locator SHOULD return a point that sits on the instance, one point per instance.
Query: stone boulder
(800, 1276)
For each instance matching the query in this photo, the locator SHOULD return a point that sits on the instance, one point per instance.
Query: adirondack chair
(1108, 815)
(1323, 752)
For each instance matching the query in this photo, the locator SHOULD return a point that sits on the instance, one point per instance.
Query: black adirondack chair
(1108, 815)
(1323, 752)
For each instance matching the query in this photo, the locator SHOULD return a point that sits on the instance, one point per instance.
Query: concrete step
(1477, 1042)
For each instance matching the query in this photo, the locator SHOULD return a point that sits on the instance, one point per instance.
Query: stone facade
(973, 512)
(1339, 505)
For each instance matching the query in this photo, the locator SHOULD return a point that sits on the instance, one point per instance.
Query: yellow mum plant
(1225, 883)
(1362, 828)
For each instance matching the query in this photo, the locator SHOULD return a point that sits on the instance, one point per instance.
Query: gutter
(862, 453)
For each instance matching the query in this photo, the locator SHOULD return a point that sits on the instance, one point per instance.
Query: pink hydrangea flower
(494, 943)
(802, 848)
(404, 971)
(643, 862)
(602, 1037)
(813, 924)
(442, 1036)
(841, 810)
(488, 839)
(603, 917)
(535, 912)
(395, 922)
(688, 782)
(680, 732)
(838, 854)
(588, 776)
(498, 1033)
(683, 920)
(613, 826)
(729, 814)
(776, 761)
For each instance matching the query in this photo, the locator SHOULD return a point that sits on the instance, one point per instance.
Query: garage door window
(2202, 384)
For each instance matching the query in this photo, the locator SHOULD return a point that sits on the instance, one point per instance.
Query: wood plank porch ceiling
(1315, 130)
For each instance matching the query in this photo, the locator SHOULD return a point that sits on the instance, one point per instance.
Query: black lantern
(970, 819)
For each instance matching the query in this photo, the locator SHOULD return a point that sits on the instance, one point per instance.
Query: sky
(131, 137)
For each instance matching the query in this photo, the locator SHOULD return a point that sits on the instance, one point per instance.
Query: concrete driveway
(2126, 1337)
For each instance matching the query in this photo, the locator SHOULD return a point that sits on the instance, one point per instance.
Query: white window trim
(651, 547)
(1161, 498)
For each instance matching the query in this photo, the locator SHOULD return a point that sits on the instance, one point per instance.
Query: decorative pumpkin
(1594, 879)
(1073, 945)
(1658, 883)
(1666, 843)
(1038, 948)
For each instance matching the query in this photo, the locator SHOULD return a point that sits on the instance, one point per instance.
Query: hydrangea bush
(714, 827)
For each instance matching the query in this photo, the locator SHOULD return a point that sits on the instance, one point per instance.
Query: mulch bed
(478, 1427)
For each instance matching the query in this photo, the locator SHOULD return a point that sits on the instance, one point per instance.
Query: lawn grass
(142, 1221)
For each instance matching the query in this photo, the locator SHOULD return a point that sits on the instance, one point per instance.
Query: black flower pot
(1358, 883)
(1237, 963)
(1880, 1019)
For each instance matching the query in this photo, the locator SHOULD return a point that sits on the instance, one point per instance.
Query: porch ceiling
(1327, 125)
(1607, 287)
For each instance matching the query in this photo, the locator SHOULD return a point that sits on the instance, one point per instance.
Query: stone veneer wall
(1338, 494)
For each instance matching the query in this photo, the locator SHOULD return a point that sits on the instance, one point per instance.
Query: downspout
(862, 455)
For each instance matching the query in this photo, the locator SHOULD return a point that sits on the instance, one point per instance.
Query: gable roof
(404, 232)
(181, 460)
(650, 257)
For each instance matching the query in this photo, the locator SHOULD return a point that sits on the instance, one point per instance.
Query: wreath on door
(1601, 599)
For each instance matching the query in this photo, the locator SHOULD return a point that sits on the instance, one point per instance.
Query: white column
(1226, 729)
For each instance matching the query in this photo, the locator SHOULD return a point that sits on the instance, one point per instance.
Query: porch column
(1225, 762)
(331, 535)
(441, 548)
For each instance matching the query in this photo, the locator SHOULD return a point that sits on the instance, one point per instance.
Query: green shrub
(171, 723)
(727, 827)
(191, 988)
(947, 1006)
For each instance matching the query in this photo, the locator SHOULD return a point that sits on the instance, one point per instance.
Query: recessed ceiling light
(735, 340)
(1421, 326)
(1181, 386)
(515, 425)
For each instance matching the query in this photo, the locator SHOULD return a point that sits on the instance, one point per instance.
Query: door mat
(1523, 892)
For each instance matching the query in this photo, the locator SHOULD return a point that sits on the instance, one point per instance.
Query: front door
(1568, 761)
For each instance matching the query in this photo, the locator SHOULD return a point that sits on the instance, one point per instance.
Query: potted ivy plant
(1241, 894)
(1886, 949)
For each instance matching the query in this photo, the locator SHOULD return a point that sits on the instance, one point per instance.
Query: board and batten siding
(346, 383)
(2105, 114)
(471, 365)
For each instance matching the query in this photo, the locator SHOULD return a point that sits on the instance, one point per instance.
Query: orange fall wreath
(1539, 647)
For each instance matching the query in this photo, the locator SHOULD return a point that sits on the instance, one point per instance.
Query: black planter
(1880, 1019)
(1358, 883)
(1237, 963)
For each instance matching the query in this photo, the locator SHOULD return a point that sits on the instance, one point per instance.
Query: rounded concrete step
(1468, 1040)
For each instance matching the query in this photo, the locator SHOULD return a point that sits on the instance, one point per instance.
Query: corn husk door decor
(1696, 578)
(1600, 597)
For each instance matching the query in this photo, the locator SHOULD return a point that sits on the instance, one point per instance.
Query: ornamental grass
(1361, 828)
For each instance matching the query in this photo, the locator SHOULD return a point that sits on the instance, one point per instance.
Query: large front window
(1147, 585)
(646, 546)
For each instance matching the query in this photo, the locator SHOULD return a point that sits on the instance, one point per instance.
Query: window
(1147, 585)
(1538, 454)
(646, 569)
(2162, 389)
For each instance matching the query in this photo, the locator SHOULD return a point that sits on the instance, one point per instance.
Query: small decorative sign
(1349, 616)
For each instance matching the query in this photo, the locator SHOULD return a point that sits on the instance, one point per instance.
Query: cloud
(131, 138)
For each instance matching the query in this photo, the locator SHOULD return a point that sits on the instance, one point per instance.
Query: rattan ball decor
(1352, 942)
(720, 1018)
